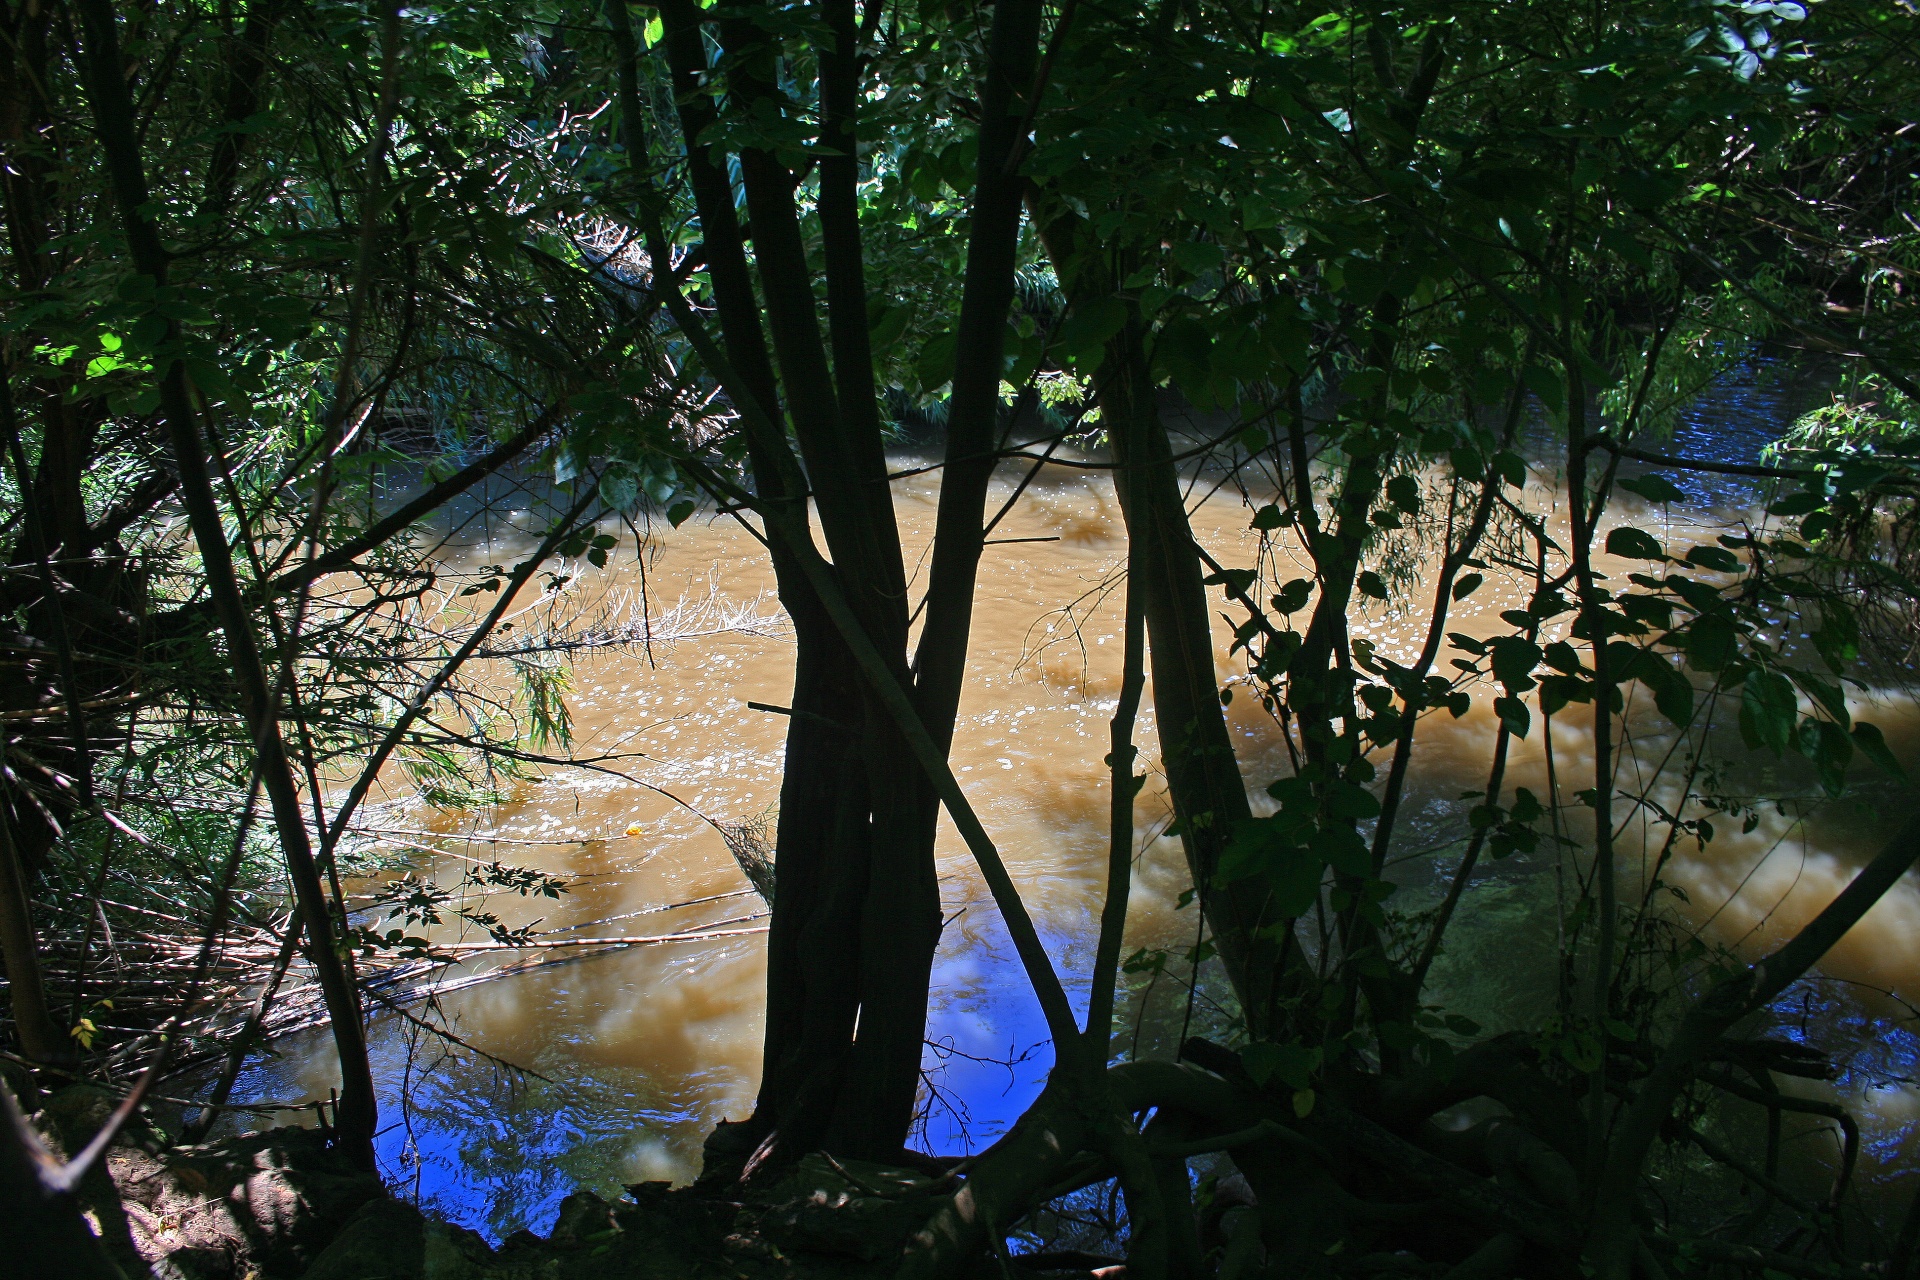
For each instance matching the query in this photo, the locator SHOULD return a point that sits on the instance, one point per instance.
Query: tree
(856, 917)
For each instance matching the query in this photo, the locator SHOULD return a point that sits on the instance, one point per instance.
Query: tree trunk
(39, 1038)
(824, 831)
(1196, 750)
(856, 909)
(355, 1114)
(1203, 776)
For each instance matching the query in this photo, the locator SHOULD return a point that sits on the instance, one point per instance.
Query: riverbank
(284, 1204)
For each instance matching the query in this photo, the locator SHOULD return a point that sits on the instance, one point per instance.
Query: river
(644, 1048)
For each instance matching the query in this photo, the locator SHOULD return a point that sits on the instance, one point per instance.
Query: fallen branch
(544, 944)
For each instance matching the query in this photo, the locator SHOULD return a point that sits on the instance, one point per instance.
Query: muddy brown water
(645, 1048)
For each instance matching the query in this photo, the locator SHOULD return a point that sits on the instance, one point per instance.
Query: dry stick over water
(113, 115)
(1113, 916)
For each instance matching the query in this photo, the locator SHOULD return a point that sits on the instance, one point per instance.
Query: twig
(543, 944)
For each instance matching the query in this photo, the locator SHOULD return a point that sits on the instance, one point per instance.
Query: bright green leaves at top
(227, 334)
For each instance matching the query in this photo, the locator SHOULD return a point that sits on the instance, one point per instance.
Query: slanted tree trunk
(1203, 776)
(355, 1114)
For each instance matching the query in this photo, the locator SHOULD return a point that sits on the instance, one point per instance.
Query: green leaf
(1797, 504)
(1294, 879)
(1825, 694)
(1404, 492)
(1514, 658)
(1710, 642)
(887, 328)
(1198, 257)
(1654, 488)
(1236, 581)
(1831, 750)
(1268, 517)
(1768, 710)
(1672, 693)
(1511, 468)
(935, 368)
(1561, 656)
(1467, 585)
(1183, 350)
(1718, 559)
(678, 513)
(1081, 335)
(1514, 714)
(1631, 543)
(1370, 584)
(1293, 596)
(1546, 385)
(1645, 188)
(1873, 745)
(1292, 1063)
(1363, 383)
(1344, 800)
(1838, 635)
(1340, 847)
(960, 164)
(1624, 244)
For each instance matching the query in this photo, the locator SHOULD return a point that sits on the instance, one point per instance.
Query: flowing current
(635, 1053)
